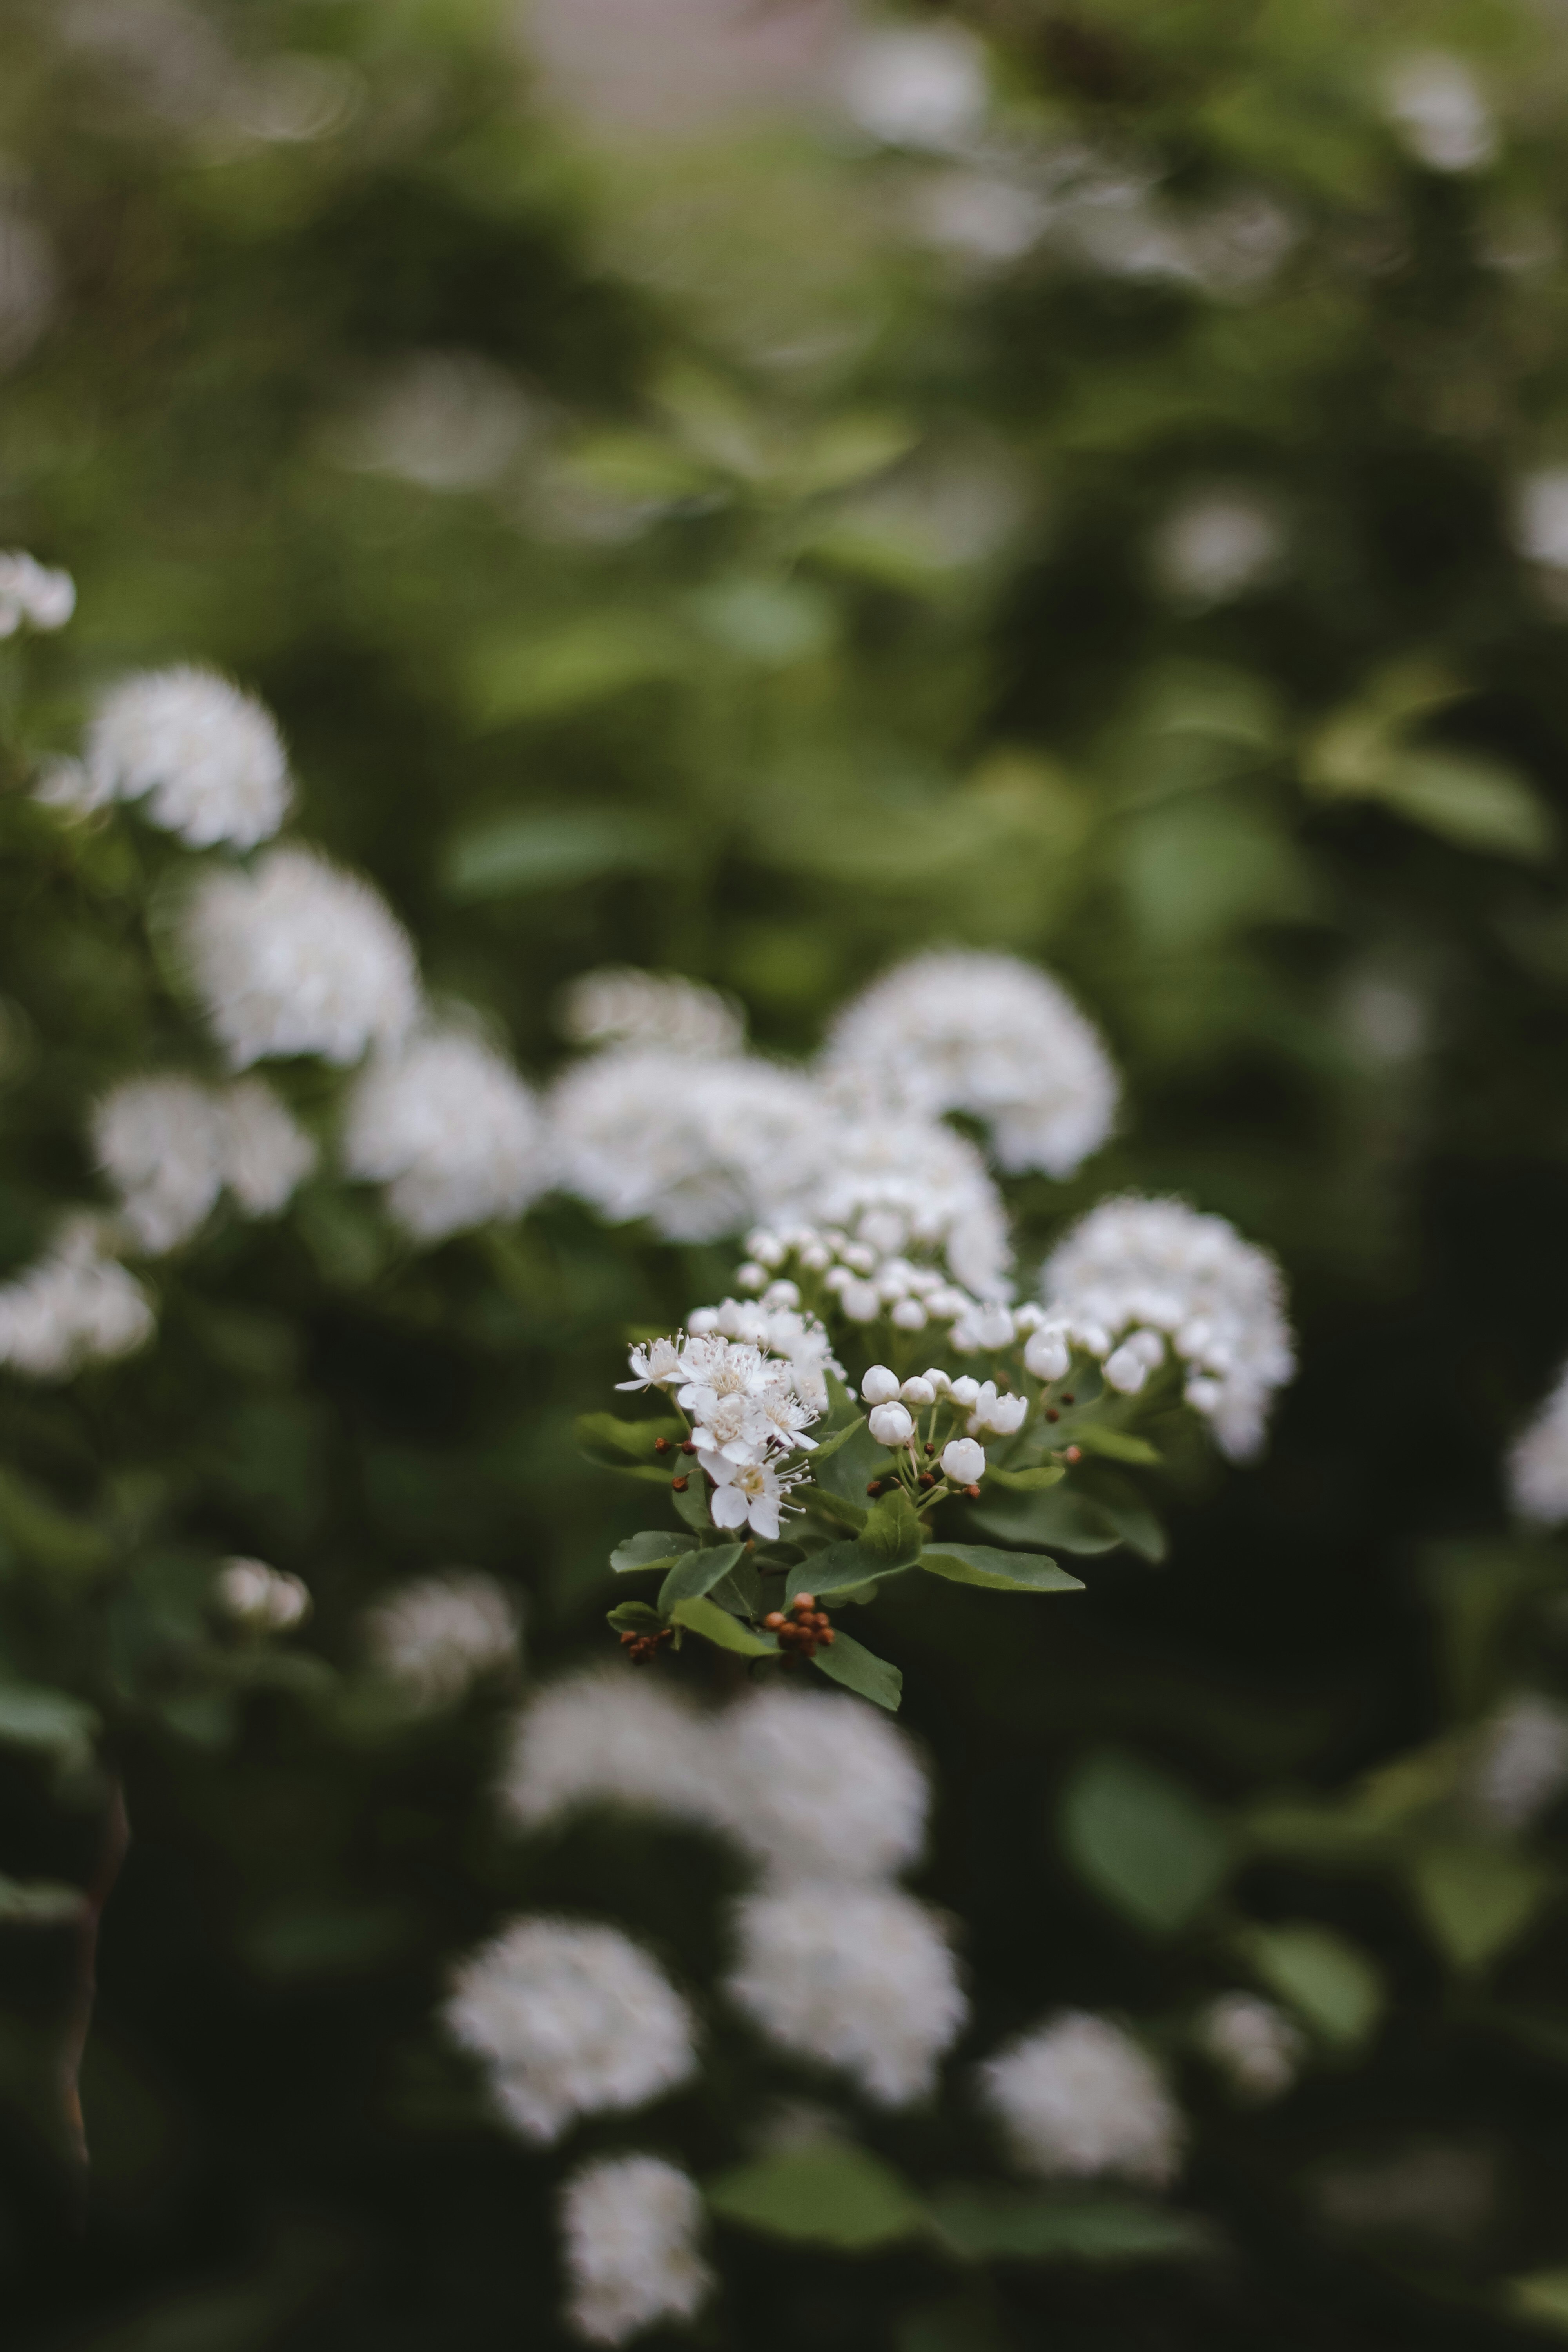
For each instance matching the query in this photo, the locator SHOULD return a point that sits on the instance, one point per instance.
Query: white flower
(266, 1155)
(29, 592)
(1141, 1267)
(963, 1462)
(625, 1007)
(262, 1596)
(1434, 103)
(656, 1366)
(600, 1737)
(1217, 545)
(916, 85)
(817, 1786)
(71, 1307)
(632, 2228)
(160, 1142)
(918, 1392)
(1538, 1462)
(686, 1143)
(1253, 2042)
(989, 1035)
(1004, 1414)
(206, 759)
(570, 2019)
(894, 1182)
(748, 1494)
(965, 1391)
(855, 1977)
(1126, 1370)
(1047, 1353)
(437, 1634)
(168, 1145)
(451, 1128)
(879, 1386)
(1523, 1761)
(891, 1424)
(294, 956)
(1541, 517)
(1078, 2097)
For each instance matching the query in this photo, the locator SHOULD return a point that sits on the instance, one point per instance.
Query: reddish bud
(679, 1485)
(1074, 1453)
(773, 1620)
(661, 1445)
(1069, 1398)
(875, 1487)
(1051, 1413)
(687, 1448)
(973, 1493)
(805, 1600)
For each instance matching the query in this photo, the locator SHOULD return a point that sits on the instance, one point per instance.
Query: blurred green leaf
(1476, 1898)
(605, 1437)
(509, 856)
(1115, 1444)
(1028, 1482)
(50, 1722)
(1031, 2225)
(1540, 2297)
(1065, 1519)
(38, 1903)
(1143, 1840)
(832, 2194)
(1335, 1987)
(563, 669)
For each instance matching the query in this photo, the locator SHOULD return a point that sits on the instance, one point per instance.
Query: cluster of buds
(643, 1648)
(805, 1630)
(265, 1600)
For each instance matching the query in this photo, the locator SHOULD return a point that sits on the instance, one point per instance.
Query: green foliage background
(757, 730)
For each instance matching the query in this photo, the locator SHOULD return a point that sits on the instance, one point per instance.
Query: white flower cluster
(828, 1800)
(1254, 2044)
(866, 1287)
(748, 1414)
(31, 593)
(989, 1035)
(1523, 1761)
(436, 1635)
(1432, 101)
(893, 1182)
(294, 956)
(74, 1306)
(169, 1144)
(206, 760)
(1135, 1273)
(631, 2227)
(1538, 1462)
(622, 1006)
(266, 1599)
(446, 1123)
(570, 2018)
(1079, 2097)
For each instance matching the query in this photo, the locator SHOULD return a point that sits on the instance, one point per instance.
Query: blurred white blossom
(569, 2019)
(265, 1154)
(632, 2228)
(29, 287)
(915, 85)
(1538, 1460)
(990, 1035)
(444, 420)
(72, 1306)
(1078, 2097)
(599, 1737)
(1252, 2042)
(294, 956)
(1541, 517)
(436, 1635)
(622, 1006)
(168, 1145)
(818, 1787)
(858, 1978)
(264, 1598)
(626, 66)
(31, 592)
(1217, 545)
(206, 760)
(445, 1121)
(1143, 1268)
(1521, 1764)
(1436, 106)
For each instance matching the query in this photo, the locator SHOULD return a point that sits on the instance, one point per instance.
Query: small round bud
(938, 1379)
(873, 1485)
(1047, 1355)
(680, 1486)
(860, 1301)
(909, 1315)
(750, 1277)
(1126, 1369)
(891, 1424)
(963, 1461)
(918, 1392)
(805, 1600)
(879, 1386)
(963, 1391)
(773, 1620)
(1074, 1453)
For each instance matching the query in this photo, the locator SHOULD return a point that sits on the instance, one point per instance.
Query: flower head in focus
(206, 760)
(1079, 2097)
(569, 2019)
(632, 2228)
(294, 956)
(447, 1124)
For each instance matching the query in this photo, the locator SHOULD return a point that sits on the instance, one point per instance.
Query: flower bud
(750, 1277)
(860, 1302)
(781, 1294)
(879, 1386)
(918, 1392)
(963, 1461)
(963, 1391)
(910, 1314)
(766, 1249)
(1126, 1369)
(1047, 1355)
(938, 1379)
(891, 1424)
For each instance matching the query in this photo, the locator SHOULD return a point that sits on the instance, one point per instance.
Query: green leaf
(1115, 1444)
(654, 1548)
(869, 1677)
(604, 1437)
(1001, 1571)
(634, 1617)
(50, 1722)
(1030, 1482)
(829, 2194)
(1335, 1987)
(849, 1468)
(1065, 1519)
(38, 1903)
(726, 1632)
(697, 1573)
(514, 856)
(1119, 1499)
(41, 1531)
(1030, 2225)
(1143, 1840)
(1475, 1898)
(1540, 2295)
(692, 1502)
(840, 1568)
(828, 1447)
(583, 661)
(838, 1509)
(891, 1535)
